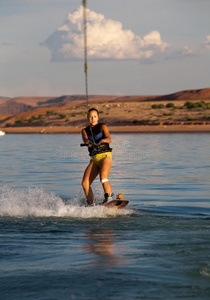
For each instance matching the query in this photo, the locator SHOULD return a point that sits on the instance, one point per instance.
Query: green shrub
(197, 104)
(135, 121)
(200, 104)
(30, 120)
(169, 114)
(190, 118)
(188, 104)
(155, 106)
(18, 121)
(170, 105)
(62, 116)
(41, 121)
(51, 112)
(8, 124)
(161, 106)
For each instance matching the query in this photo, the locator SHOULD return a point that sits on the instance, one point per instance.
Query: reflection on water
(100, 243)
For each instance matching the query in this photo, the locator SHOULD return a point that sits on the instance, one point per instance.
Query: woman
(101, 158)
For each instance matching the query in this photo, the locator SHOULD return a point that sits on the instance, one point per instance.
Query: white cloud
(185, 51)
(106, 40)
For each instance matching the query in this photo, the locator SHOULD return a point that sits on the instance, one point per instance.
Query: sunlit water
(53, 247)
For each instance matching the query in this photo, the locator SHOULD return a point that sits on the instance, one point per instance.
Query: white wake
(35, 202)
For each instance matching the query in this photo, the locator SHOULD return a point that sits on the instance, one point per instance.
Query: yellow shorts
(98, 158)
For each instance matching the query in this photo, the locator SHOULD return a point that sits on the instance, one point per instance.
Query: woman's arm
(84, 136)
(107, 138)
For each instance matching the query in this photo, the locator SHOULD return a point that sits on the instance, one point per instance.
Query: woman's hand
(102, 141)
(89, 143)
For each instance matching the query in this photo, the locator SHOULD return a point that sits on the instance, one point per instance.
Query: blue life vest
(98, 135)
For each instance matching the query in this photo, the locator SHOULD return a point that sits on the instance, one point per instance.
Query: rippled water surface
(53, 247)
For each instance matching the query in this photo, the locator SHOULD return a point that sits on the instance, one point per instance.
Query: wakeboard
(116, 204)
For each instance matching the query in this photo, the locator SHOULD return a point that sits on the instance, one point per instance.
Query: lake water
(53, 247)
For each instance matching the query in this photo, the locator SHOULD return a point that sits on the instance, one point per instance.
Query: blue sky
(135, 47)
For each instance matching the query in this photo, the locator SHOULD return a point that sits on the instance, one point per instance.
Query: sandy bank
(113, 129)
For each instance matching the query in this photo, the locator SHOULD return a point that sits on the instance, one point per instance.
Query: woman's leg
(90, 174)
(104, 173)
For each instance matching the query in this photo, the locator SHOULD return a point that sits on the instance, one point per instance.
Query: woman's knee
(85, 183)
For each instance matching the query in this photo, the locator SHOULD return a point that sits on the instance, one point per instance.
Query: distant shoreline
(112, 129)
(185, 111)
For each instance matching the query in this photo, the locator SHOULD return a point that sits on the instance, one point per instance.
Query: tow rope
(84, 2)
(85, 47)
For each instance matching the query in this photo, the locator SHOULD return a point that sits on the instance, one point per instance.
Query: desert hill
(16, 105)
(21, 104)
(12, 107)
(188, 95)
(70, 110)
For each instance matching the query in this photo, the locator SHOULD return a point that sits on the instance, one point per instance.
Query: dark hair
(92, 109)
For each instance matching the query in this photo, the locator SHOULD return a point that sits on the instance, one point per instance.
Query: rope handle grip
(91, 144)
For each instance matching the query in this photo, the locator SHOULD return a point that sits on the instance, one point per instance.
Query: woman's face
(93, 117)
